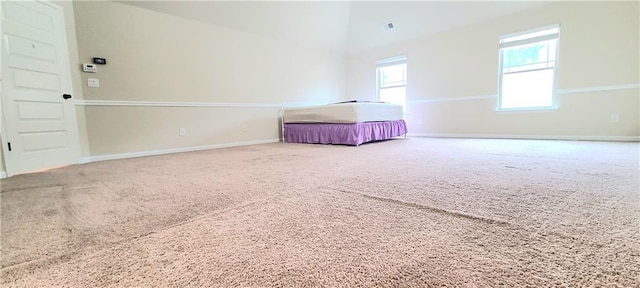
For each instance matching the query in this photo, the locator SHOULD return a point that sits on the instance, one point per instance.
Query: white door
(39, 124)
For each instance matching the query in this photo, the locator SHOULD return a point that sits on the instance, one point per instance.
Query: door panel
(24, 47)
(29, 14)
(39, 141)
(40, 110)
(36, 80)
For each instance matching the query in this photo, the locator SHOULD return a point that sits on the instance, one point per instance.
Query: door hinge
(9, 143)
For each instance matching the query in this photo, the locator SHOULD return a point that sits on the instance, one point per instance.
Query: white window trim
(502, 46)
(391, 61)
(530, 31)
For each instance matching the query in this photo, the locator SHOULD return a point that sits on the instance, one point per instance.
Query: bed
(347, 123)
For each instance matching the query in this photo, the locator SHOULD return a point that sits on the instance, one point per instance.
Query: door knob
(66, 96)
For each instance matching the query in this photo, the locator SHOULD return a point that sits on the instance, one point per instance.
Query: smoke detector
(388, 26)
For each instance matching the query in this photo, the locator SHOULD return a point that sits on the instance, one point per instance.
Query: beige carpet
(404, 213)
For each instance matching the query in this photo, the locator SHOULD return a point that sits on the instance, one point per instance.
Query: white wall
(453, 75)
(157, 57)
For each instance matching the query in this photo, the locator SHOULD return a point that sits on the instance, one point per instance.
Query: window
(392, 80)
(528, 69)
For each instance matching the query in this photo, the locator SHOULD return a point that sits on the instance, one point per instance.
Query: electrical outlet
(615, 118)
(244, 128)
(182, 132)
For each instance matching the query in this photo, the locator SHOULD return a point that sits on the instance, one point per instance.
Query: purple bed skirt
(348, 133)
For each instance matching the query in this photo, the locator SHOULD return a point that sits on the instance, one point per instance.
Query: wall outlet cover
(93, 82)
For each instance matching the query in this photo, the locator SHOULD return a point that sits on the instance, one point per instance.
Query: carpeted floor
(415, 212)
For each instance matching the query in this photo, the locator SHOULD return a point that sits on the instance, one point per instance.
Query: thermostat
(91, 68)
(100, 61)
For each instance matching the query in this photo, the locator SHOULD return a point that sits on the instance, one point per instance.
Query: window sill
(527, 109)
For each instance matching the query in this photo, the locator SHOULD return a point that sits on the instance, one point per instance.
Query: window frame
(504, 44)
(392, 61)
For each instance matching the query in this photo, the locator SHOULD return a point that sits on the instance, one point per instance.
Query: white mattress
(344, 113)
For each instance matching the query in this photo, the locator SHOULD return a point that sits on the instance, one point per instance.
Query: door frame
(66, 69)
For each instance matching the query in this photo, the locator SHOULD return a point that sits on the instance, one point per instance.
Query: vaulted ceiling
(338, 26)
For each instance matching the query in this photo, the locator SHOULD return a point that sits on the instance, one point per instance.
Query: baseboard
(84, 160)
(530, 137)
(3, 174)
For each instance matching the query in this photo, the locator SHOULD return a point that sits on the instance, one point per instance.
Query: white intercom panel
(91, 68)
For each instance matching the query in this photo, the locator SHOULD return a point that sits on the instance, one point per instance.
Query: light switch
(93, 82)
